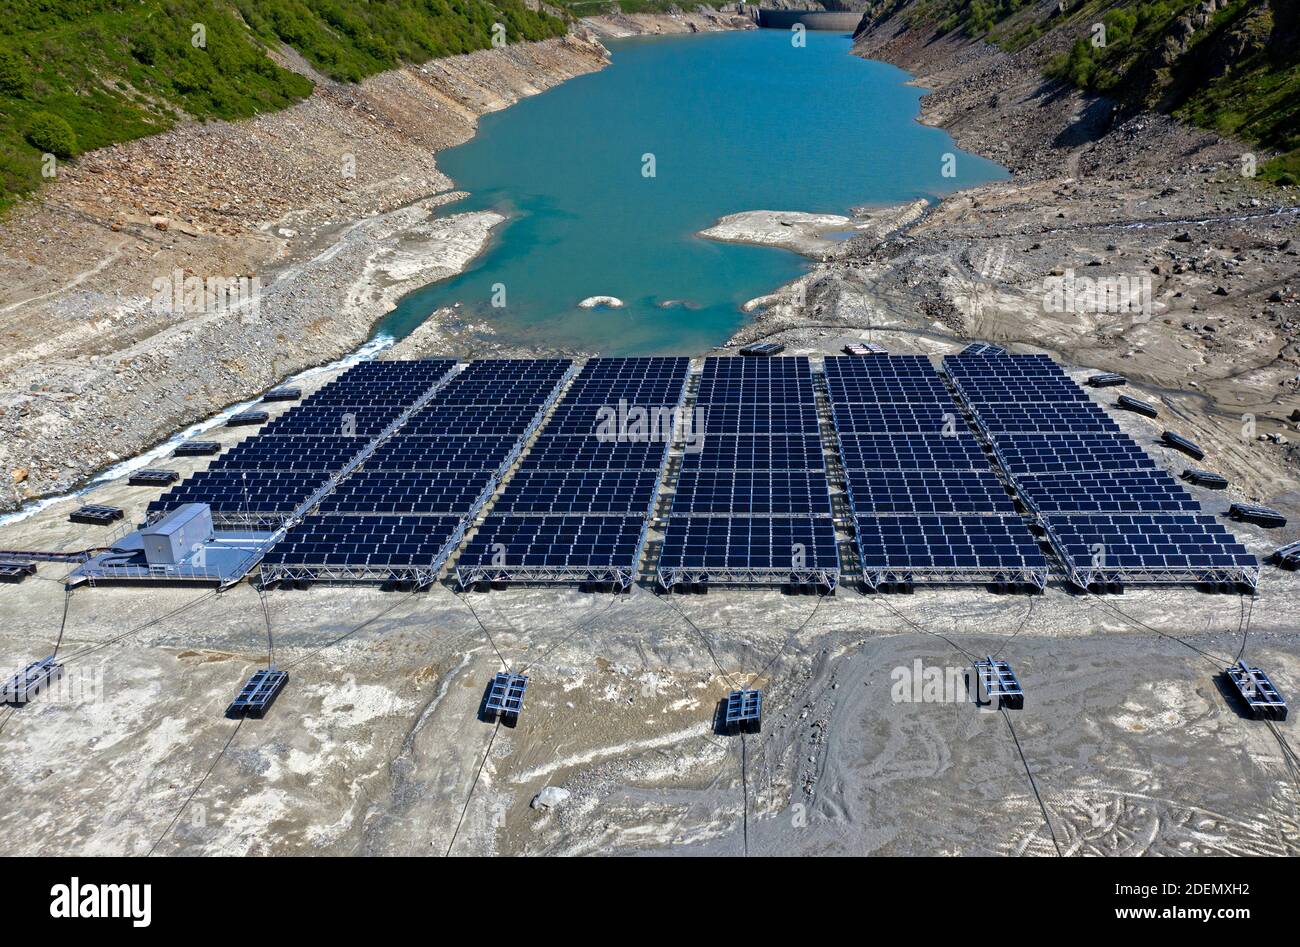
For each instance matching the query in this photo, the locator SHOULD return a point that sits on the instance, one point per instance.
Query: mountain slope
(80, 74)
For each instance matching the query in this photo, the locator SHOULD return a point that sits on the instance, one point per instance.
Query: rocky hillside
(1229, 65)
(76, 75)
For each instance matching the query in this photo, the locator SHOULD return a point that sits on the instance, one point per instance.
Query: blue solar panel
(912, 452)
(1151, 491)
(374, 542)
(918, 544)
(1154, 542)
(573, 542)
(739, 452)
(778, 544)
(775, 492)
(897, 491)
(902, 418)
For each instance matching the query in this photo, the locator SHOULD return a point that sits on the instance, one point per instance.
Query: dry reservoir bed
(375, 746)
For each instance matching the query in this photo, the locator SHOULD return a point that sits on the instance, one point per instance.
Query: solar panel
(747, 549)
(909, 491)
(1172, 548)
(998, 682)
(152, 477)
(912, 452)
(950, 549)
(774, 492)
(30, 682)
(1148, 491)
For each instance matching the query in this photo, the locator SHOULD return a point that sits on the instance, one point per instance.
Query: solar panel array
(402, 512)
(752, 504)
(927, 506)
(1110, 513)
(264, 478)
(577, 507)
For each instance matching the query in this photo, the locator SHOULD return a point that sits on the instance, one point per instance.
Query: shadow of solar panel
(1151, 491)
(579, 491)
(777, 493)
(912, 452)
(906, 491)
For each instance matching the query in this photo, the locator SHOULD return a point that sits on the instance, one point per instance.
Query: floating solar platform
(1178, 442)
(247, 417)
(1288, 556)
(1259, 515)
(1257, 692)
(95, 515)
(364, 548)
(595, 549)
(749, 550)
(998, 684)
(258, 694)
(1114, 491)
(949, 550)
(16, 571)
(197, 449)
(763, 349)
(505, 698)
(742, 712)
(1136, 406)
(152, 477)
(1205, 478)
(863, 348)
(982, 350)
(1166, 549)
(30, 682)
(1107, 380)
(283, 394)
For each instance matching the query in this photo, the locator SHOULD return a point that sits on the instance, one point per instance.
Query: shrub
(50, 133)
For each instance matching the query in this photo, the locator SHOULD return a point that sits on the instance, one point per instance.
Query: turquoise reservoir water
(734, 121)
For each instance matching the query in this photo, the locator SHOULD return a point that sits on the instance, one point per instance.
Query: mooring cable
(708, 646)
(352, 631)
(67, 601)
(91, 648)
(492, 641)
(195, 790)
(474, 785)
(1217, 661)
(1033, 783)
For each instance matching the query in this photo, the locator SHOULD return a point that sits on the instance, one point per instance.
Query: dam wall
(845, 22)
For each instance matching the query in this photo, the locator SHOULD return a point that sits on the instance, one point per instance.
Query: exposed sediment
(1147, 200)
(331, 205)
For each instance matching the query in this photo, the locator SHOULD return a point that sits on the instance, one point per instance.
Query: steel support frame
(874, 578)
(620, 576)
(728, 575)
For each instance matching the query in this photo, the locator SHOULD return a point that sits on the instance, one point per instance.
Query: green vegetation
(1239, 73)
(81, 74)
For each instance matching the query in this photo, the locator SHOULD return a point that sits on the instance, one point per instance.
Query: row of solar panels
(265, 478)
(754, 506)
(577, 507)
(1111, 514)
(926, 503)
(402, 512)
